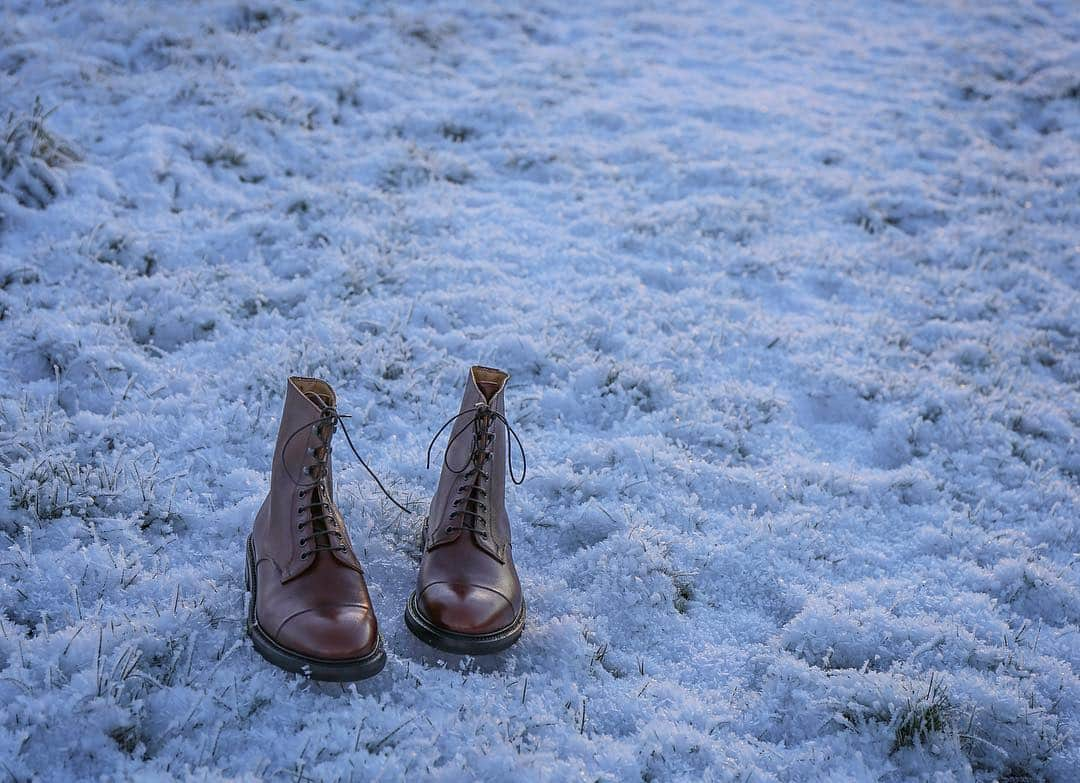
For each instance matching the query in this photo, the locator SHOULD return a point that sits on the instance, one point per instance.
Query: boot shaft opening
(316, 390)
(489, 381)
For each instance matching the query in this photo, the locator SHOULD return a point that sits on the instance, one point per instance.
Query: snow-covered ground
(789, 295)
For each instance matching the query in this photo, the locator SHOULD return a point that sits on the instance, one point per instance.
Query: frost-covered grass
(30, 157)
(789, 294)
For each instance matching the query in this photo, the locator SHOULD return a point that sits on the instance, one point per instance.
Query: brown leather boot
(468, 598)
(309, 609)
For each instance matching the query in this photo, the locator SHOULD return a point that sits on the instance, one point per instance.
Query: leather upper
(312, 602)
(467, 581)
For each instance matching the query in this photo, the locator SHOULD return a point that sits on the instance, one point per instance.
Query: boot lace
(471, 506)
(322, 512)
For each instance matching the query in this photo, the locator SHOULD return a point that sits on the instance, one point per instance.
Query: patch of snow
(789, 295)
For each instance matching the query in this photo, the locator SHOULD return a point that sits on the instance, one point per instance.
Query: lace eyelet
(303, 492)
(304, 555)
(300, 526)
(449, 530)
(303, 541)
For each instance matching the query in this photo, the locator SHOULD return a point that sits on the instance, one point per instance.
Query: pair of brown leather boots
(309, 610)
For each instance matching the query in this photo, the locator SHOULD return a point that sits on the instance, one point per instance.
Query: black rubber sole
(461, 643)
(348, 670)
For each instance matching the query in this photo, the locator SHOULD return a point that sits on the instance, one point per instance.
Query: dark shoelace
(321, 499)
(472, 507)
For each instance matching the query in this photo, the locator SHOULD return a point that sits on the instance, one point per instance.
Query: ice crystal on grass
(923, 717)
(32, 158)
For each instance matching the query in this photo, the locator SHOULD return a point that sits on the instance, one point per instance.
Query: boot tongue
(322, 400)
(482, 443)
(323, 506)
(487, 388)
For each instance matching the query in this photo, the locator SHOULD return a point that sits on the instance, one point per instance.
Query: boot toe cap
(465, 608)
(331, 632)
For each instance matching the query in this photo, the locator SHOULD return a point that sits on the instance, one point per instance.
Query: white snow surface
(789, 296)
